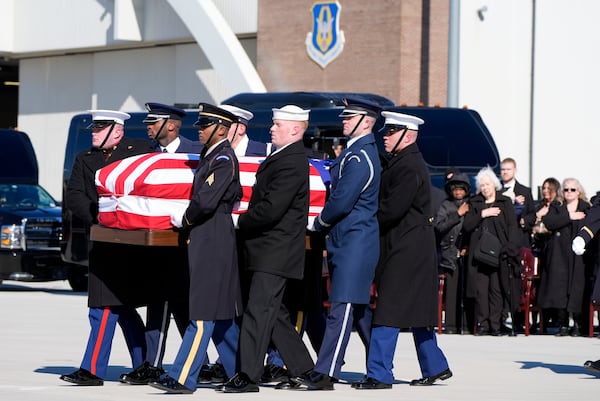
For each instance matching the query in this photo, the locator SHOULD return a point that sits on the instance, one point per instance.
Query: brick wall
(382, 52)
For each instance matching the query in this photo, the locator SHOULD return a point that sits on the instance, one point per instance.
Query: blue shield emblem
(326, 41)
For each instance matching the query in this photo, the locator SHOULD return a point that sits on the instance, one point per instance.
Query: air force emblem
(326, 41)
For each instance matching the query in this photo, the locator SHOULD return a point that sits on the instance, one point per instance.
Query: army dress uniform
(214, 289)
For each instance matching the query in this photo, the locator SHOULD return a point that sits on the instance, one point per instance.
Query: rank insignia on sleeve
(210, 179)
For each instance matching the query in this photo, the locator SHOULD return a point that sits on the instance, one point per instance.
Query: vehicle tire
(78, 281)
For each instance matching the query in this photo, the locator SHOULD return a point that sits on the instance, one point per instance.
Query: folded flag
(145, 191)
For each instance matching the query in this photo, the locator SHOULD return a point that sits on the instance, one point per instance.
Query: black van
(450, 137)
(30, 219)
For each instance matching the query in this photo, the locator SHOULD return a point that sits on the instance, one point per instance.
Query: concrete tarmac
(44, 330)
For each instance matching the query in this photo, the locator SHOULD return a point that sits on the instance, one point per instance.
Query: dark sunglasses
(569, 190)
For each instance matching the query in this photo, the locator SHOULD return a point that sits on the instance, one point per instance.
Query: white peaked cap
(109, 115)
(410, 122)
(291, 113)
(243, 114)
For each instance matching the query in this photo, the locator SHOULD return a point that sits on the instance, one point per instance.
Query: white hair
(488, 173)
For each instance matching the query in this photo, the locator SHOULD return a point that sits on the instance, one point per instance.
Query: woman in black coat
(493, 212)
(562, 273)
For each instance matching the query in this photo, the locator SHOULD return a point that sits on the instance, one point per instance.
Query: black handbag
(488, 249)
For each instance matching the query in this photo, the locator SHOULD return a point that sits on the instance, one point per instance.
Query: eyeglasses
(569, 189)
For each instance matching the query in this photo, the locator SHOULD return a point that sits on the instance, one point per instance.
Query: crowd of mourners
(488, 237)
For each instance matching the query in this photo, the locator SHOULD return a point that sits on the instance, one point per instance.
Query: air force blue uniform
(349, 217)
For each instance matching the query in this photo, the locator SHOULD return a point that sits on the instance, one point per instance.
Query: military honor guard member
(406, 276)
(214, 293)
(274, 234)
(240, 142)
(163, 123)
(349, 219)
(111, 292)
(166, 288)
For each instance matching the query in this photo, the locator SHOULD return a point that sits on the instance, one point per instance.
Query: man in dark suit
(111, 292)
(350, 220)
(524, 205)
(274, 234)
(166, 288)
(406, 276)
(521, 196)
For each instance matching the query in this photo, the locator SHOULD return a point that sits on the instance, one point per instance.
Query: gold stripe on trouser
(299, 321)
(193, 351)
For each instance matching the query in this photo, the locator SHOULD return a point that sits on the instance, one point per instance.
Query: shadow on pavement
(557, 368)
(16, 286)
(112, 373)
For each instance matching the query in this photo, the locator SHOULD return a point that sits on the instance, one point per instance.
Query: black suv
(30, 219)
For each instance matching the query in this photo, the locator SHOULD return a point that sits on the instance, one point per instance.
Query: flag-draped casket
(147, 191)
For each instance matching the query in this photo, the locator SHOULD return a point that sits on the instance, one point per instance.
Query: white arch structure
(218, 42)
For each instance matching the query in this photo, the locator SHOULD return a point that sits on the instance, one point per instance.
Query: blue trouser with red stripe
(103, 322)
(192, 352)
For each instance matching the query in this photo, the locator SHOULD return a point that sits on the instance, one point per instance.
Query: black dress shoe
(219, 375)
(563, 331)
(82, 377)
(240, 383)
(428, 381)
(143, 374)
(287, 385)
(593, 365)
(205, 375)
(450, 330)
(481, 331)
(314, 380)
(171, 386)
(370, 384)
(274, 374)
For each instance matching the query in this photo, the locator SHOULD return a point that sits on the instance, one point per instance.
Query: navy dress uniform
(111, 293)
(245, 146)
(349, 218)
(215, 296)
(406, 276)
(274, 234)
(166, 288)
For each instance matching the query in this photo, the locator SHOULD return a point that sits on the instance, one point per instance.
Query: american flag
(145, 191)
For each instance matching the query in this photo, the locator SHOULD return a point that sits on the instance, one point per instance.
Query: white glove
(578, 245)
(177, 221)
